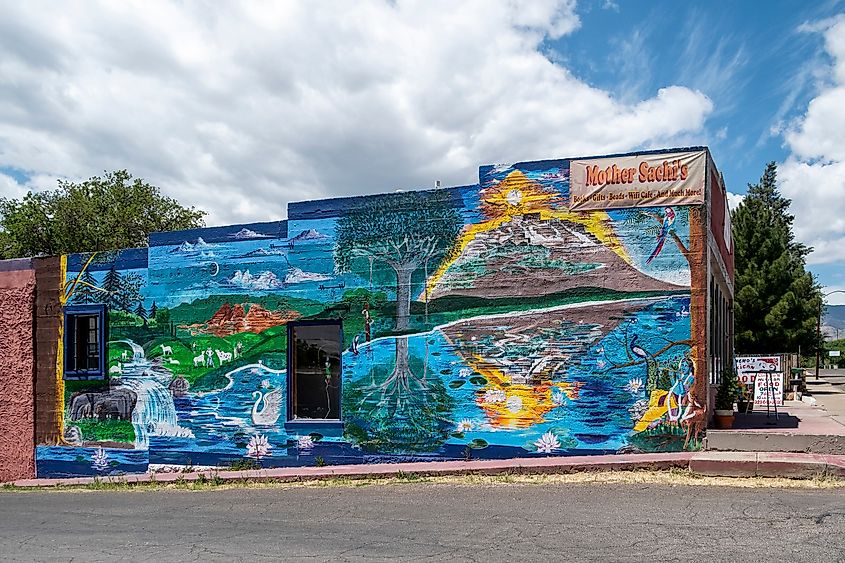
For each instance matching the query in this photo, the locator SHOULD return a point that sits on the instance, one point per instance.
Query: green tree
(776, 300)
(87, 292)
(162, 316)
(113, 285)
(102, 213)
(141, 312)
(406, 231)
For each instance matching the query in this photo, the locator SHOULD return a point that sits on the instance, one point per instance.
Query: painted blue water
(65, 461)
(582, 402)
(222, 421)
(589, 401)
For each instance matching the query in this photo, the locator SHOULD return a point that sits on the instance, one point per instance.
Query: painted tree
(87, 292)
(776, 301)
(141, 312)
(405, 231)
(153, 310)
(406, 409)
(112, 284)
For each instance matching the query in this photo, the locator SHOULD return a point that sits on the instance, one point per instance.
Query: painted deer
(694, 418)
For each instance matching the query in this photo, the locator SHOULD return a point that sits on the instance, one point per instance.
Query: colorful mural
(477, 321)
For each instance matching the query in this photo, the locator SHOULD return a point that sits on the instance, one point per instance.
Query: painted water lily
(494, 396)
(305, 442)
(634, 386)
(547, 443)
(100, 460)
(258, 447)
(265, 383)
(465, 425)
(557, 397)
(638, 409)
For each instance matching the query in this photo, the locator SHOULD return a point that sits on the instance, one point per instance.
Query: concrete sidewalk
(731, 464)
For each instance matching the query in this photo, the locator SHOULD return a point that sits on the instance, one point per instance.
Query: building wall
(48, 306)
(478, 321)
(17, 296)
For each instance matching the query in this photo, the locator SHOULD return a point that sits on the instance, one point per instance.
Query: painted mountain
(247, 317)
(309, 235)
(528, 256)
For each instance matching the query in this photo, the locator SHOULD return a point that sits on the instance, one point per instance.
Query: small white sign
(768, 389)
(834, 353)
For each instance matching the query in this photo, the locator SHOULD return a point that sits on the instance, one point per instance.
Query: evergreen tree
(776, 300)
(112, 284)
(153, 310)
(86, 292)
(141, 312)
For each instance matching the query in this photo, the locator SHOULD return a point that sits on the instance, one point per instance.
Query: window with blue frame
(85, 342)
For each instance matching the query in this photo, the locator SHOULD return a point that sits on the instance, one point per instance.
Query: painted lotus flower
(100, 460)
(557, 397)
(638, 409)
(305, 443)
(465, 425)
(494, 396)
(547, 443)
(634, 386)
(465, 372)
(258, 447)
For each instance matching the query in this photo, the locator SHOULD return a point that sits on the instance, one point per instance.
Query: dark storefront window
(314, 352)
(84, 342)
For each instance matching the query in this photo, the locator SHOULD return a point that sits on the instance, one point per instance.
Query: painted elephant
(116, 404)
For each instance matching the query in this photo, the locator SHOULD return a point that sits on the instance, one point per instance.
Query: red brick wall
(17, 409)
(717, 221)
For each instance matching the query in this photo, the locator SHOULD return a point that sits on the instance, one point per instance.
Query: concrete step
(773, 441)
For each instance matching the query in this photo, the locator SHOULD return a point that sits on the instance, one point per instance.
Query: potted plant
(725, 397)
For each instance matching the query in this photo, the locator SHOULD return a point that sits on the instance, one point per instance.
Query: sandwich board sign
(768, 388)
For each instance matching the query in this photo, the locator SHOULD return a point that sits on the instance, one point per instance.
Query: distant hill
(835, 316)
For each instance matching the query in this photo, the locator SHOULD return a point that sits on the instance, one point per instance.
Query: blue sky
(760, 65)
(750, 60)
(241, 109)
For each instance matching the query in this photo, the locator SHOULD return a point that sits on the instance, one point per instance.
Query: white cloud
(734, 200)
(238, 108)
(813, 176)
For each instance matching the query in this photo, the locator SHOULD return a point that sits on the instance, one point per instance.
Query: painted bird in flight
(668, 222)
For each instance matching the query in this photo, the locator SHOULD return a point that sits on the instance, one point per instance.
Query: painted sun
(517, 194)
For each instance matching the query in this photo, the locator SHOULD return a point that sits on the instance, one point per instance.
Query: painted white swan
(272, 408)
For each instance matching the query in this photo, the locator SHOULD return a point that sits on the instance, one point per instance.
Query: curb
(722, 464)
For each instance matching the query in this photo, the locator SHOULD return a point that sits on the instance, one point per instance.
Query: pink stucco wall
(17, 449)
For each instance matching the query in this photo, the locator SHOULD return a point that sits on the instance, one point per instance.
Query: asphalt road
(416, 521)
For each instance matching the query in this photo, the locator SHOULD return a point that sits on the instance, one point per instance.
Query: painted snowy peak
(198, 246)
(310, 234)
(245, 234)
(261, 282)
(295, 275)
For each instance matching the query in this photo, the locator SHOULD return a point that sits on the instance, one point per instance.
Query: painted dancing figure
(368, 320)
